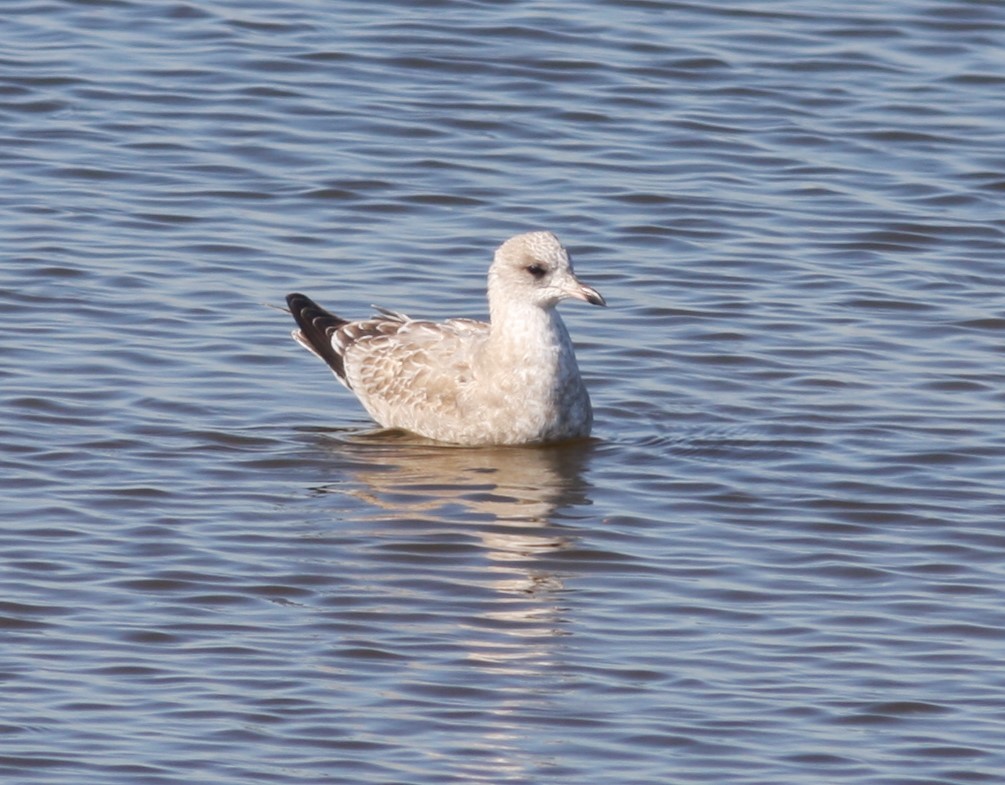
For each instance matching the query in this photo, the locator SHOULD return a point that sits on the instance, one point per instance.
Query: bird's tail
(316, 329)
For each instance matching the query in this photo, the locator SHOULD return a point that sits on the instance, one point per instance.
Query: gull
(510, 381)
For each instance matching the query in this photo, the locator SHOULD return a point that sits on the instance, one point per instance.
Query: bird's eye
(537, 271)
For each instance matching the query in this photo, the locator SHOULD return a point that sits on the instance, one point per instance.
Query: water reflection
(511, 499)
(510, 495)
(461, 548)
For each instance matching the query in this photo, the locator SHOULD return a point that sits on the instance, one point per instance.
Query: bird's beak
(581, 291)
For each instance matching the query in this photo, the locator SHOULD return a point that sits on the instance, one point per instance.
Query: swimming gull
(513, 380)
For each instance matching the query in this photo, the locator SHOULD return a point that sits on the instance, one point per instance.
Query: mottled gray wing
(406, 372)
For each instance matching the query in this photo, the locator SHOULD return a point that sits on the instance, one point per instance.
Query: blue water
(780, 560)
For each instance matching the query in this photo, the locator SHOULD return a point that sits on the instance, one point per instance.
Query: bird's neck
(516, 327)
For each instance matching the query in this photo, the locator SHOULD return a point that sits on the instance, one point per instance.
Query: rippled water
(782, 558)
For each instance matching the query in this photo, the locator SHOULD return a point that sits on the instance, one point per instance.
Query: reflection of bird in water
(509, 494)
(455, 552)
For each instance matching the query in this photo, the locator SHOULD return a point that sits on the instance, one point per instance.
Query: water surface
(780, 560)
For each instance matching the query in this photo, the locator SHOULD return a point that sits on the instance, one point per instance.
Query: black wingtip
(316, 326)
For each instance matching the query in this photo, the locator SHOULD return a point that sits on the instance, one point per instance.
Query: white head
(535, 268)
